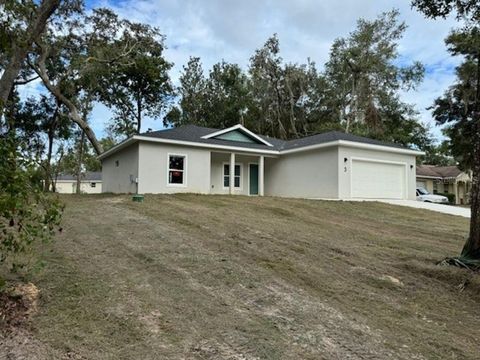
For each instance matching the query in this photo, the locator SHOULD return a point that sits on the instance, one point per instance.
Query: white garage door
(378, 180)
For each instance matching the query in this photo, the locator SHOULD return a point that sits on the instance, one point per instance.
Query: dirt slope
(213, 277)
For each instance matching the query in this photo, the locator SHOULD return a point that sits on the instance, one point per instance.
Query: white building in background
(91, 183)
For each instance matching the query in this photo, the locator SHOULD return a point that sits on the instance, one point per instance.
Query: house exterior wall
(344, 168)
(70, 187)
(218, 160)
(318, 173)
(153, 169)
(306, 174)
(121, 178)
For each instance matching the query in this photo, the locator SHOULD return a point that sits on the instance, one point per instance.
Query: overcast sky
(233, 29)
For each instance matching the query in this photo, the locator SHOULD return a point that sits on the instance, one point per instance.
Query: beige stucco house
(445, 180)
(236, 161)
(91, 183)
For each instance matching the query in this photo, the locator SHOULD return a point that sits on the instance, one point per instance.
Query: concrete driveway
(446, 209)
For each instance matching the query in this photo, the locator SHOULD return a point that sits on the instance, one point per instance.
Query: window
(237, 181)
(93, 185)
(176, 169)
(445, 188)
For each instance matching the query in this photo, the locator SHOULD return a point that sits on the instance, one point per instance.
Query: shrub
(451, 198)
(27, 215)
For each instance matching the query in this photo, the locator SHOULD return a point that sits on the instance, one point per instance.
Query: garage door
(378, 180)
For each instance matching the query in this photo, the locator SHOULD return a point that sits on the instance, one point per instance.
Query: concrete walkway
(446, 209)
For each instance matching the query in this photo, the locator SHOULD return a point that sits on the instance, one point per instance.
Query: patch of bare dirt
(17, 304)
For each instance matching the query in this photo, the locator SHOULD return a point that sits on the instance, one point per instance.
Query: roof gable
(237, 133)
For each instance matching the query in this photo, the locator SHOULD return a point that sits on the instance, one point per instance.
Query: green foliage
(359, 91)
(192, 97)
(458, 106)
(365, 82)
(139, 84)
(27, 215)
(439, 155)
(443, 8)
(451, 198)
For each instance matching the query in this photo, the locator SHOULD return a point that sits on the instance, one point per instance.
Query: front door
(253, 181)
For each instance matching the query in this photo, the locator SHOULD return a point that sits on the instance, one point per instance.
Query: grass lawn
(216, 277)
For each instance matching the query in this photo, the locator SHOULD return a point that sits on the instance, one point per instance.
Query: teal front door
(253, 170)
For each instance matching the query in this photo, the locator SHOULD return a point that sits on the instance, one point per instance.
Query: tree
(140, 87)
(460, 106)
(192, 90)
(40, 117)
(21, 25)
(365, 79)
(438, 154)
(226, 96)
(266, 76)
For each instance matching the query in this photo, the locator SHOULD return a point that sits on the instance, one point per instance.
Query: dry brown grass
(216, 277)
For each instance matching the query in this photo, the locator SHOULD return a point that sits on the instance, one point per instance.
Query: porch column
(261, 166)
(232, 173)
(455, 191)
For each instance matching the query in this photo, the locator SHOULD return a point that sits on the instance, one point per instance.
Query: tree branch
(41, 70)
(34, 30)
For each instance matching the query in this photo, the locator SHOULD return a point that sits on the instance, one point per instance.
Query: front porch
(237, 174)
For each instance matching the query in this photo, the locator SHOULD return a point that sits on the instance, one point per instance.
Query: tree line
(358, 91)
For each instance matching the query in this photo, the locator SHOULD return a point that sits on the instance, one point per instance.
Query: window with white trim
(176, 169)
(237, 181)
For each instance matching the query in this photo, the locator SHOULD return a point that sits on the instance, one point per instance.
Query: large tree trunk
(79, 163)
(20, 51)
(472, 246)
(139, 112)
(48, 165)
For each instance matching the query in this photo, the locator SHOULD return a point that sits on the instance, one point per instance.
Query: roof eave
(118, 147)
(136, 138)
(355, 145)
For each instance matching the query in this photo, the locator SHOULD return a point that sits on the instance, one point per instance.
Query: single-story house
(445, 180)
(91, 183)
(196, 159)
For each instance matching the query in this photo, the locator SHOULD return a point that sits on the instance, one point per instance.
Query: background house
(91, 183)
(445, 180)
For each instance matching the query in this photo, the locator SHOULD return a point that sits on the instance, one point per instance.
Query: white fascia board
(355, 145)
(74, 181)
(429, 177)
(381, 147)
(208, 146)
(259, 151)
(237, 127)
(117, 147)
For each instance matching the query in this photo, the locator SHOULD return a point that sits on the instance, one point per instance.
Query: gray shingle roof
(194, 133)
(87, 176)
(438, 171)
